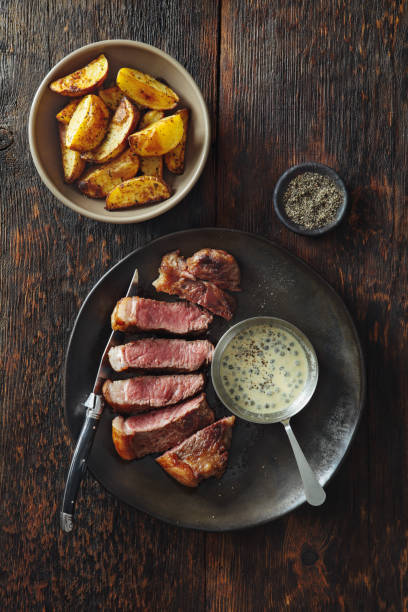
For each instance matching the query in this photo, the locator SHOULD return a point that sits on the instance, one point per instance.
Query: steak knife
(94, 408)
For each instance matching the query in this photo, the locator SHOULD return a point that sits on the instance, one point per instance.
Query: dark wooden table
(284, 82)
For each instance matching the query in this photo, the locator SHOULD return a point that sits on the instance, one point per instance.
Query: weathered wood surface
(284, 82)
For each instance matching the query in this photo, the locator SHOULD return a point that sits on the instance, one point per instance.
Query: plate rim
(363, 380)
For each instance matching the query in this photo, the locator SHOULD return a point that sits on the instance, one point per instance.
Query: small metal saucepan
(314, 492)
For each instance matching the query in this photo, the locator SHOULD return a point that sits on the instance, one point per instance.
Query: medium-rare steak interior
(160, 430)
(141, 314)
(175, 279)
(165, 411)
(146, 392)
(161, 354)
(202, 455)
(217, 266)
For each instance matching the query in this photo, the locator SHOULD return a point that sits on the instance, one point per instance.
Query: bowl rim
(309, 166)
(147, 213)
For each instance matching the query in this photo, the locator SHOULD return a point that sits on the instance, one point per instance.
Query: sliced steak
(157, 431)
(141, 314)
(175, 279)
(217, 266)
(145, 392)
(202, 455)
(161, 354)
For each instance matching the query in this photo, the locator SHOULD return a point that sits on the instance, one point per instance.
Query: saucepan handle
(314, 492)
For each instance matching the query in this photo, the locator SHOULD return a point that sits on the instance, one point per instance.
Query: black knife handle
(77, 468)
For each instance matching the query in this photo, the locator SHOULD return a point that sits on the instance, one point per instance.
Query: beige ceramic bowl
(43, 134)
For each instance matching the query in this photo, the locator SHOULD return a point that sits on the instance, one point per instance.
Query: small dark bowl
(281, 187)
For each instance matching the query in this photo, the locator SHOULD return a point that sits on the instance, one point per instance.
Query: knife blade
(94, 409)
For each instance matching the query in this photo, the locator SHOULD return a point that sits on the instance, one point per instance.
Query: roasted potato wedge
(149, 118)
(145, 90)
(72, 164)
(88, 124)
(64, 116)
(98, 182)
(159, 137)
(174, 159)
(83, 81)
(111, 97)
(137, 192)
(115, 141)
(152, 166)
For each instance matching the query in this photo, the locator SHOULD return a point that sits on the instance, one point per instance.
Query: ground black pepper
(312, 200)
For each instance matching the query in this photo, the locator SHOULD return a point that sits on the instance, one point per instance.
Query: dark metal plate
(262, 481)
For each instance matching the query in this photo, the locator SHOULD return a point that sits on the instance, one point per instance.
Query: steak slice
(175, 279)
(217, 266)
(141, 314)
(157, 431)
(145, 392)
(161, 354)
(202, 455)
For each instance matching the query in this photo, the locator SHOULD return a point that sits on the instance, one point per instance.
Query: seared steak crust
(175, 279)
(217, 266)
(202, 455)
(157, 431)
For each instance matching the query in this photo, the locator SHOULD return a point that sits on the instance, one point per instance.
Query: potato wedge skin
(137, 191)
(145, 90)
(83, 81)
(88, 124)
(149, 118)
(123, 122)
(72, 164)
(65, 114)
(99, 181)
(152, 166)
(174, 159)
(159, 137)
(111, 97)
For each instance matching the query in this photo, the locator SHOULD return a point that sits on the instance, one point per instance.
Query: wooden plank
(318, 81)
(298, 81)
(116, 558)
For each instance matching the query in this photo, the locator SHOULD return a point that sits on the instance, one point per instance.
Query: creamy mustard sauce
(264, 368)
